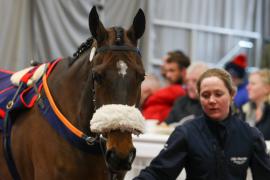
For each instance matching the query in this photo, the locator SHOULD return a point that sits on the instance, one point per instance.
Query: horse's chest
(80, 168)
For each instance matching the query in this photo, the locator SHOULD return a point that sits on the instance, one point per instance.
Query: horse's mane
(81, 49)
(88, 43)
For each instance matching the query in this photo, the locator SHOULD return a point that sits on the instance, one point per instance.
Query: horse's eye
(97, 77)
(141, 77)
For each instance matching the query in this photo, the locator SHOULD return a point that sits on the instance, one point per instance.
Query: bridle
(119, 47)
(103, 49)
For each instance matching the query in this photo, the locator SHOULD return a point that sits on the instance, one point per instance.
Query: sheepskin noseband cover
(117, 117)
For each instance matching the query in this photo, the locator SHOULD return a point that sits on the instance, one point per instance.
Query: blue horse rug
(25, 95)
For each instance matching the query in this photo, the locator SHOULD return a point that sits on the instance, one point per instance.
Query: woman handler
(216, 146)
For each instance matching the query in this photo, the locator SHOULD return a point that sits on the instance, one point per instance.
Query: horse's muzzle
(117, 163)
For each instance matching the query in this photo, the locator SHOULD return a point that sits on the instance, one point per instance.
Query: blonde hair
(222, 75)
(198, 67)
(264, 74)
(265, 77)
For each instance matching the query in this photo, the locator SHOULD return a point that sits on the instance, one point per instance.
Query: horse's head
(117, 73)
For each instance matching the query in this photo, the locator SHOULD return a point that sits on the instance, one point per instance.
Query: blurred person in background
(159, 104)
(215, 146)
(237, 69)
(188, 106)
(172, 70)
(175, 67)
(149, 86)
(265, 61)
(257, 110)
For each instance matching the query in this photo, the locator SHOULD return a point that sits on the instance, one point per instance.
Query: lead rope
(111, 175)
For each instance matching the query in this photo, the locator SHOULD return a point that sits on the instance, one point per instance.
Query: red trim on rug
(34, 98)
(8, 88)
(6, 71)
(52, 66)
(24, 92)
(28, 75)
(2, 114)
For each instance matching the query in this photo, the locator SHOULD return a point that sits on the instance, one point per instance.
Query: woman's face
(257, 90)
(215, 98)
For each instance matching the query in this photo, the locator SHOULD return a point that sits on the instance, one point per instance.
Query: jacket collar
(209, 127)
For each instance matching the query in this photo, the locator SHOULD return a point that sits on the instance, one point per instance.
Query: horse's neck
(71, 90)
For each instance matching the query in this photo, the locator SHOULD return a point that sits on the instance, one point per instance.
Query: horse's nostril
(132, 155)
(117, 163)
(109, 155)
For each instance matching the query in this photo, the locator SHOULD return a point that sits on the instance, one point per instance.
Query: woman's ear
(268, 89)
(233, 93)
(268, 93)
(197, 93)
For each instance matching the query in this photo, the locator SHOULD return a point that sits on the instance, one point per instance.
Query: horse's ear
(137, 29)
(96, 27)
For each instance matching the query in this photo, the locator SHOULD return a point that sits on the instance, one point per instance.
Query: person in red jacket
(158, 105)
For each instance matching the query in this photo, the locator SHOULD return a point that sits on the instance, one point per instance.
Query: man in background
(174, 67)
(188, 107)
(159, 104)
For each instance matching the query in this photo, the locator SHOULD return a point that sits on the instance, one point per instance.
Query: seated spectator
(237, 69)
(175, 67)
(188, 107)
(149, 86)
(164, 81)
(159, 104)
(257, 110)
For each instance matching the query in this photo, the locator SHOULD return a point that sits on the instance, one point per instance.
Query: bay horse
(98, 85)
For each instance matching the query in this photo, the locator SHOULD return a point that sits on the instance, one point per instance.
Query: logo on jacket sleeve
(239, 160)
(165, 146)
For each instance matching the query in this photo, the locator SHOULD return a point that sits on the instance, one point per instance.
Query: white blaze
(122, 67)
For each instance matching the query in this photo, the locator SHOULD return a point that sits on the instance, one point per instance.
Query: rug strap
(7, 147)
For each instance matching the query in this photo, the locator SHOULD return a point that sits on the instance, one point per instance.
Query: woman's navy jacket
(211, 151)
